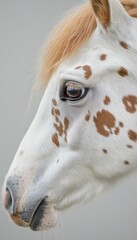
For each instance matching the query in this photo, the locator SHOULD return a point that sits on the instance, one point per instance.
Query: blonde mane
(70, 34)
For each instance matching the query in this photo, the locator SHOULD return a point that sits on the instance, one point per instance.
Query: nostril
(8, 201)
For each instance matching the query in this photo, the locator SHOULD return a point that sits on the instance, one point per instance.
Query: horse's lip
(32, 216)
(37, 215)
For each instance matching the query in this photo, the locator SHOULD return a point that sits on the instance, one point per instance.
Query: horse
(83, 139)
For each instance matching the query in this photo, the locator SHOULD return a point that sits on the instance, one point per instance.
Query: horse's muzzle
(26, 207)
(23, 214)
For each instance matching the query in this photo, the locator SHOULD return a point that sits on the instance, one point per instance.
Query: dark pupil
(73, 91)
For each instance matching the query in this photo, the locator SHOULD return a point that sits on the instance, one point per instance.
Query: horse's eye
(73, 91)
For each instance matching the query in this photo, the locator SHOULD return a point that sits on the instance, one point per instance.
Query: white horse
(84, 136)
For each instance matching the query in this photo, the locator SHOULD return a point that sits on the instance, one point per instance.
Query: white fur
(83, 170)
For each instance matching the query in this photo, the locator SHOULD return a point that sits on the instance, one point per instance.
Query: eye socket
(73, 91)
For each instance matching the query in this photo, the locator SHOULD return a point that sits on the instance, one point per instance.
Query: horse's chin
(45, 217)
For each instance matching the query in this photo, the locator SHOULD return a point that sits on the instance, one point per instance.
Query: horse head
(83, 138)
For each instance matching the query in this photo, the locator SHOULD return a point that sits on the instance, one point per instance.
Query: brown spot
(66, 123)
(121, 124)
(126, 162)
(123, 44)
(105, 151)
(103, 57)
(87, 117)
(53, 111)
(59, 128)
(129, 146)
(55, 139)
(107, 100)
(66, 126)
(57, 112)
(105, 122)
(58, 161)
(88, 71)
(117, 130)
(54, 102)
(130, 103)
(56, 118)
(132, 135)
(123, 72)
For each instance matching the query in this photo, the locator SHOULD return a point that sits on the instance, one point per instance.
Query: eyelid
(66, 76)
(66, 83)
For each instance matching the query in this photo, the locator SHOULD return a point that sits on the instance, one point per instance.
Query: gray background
(24, 25)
